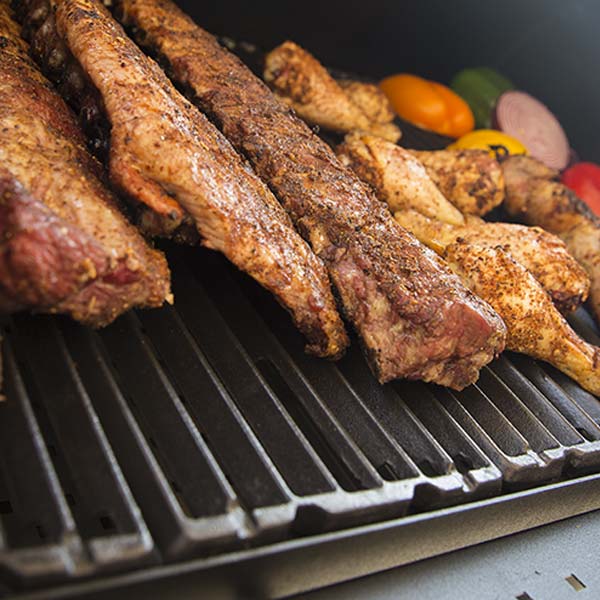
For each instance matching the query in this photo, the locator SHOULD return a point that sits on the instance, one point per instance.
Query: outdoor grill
(198, 444)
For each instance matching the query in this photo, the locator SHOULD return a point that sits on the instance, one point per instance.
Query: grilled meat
(543, 254)
(400, 180)
(471, 179)
(162, 150)
(43, 259)
(397, 177)
(535, 327)
(301, 81)
(370, 99)
(42, 148)
(157, 213)
(414, 317)
(533, 196)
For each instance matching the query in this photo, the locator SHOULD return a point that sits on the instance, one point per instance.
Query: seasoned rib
(43, 259)
(301, 81)
(471, 179)
(156, 213)
(544, 255)
(42, 148)
(162, 147)
(533, 196)
(414, 317)
(397, 177)
(535, 327)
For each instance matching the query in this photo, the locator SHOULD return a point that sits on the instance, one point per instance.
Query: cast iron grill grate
(202, 428)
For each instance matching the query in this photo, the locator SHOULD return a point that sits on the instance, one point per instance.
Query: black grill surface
(202, 429)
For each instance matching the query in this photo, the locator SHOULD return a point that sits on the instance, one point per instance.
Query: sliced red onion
(523, 117)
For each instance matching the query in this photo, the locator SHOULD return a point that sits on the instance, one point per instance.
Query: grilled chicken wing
(414, 317)
(543, 254)
(471, 179)
(65, 246)
(401, 181)
(302, 81)
(533, 196)
(397, 177)
(534, 325)
(370, 99)
(162, 147)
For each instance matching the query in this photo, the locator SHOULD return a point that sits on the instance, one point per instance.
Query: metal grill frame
(296, 566)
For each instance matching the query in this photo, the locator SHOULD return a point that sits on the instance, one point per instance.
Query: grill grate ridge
(202, 429)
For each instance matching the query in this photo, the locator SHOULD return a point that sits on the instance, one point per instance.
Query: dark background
(550, 48)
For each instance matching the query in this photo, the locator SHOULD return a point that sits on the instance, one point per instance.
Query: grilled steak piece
(43, 259)
(43, 149)
(164, 152)
(415, 318)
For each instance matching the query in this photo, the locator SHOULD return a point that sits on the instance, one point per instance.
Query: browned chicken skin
(471, 179)
(161, 146)
(534, 325)
(533, 196)
(414, 317)
(369, 97)
(397, 177)
(302, 81)
(42, 148)
(544, 255)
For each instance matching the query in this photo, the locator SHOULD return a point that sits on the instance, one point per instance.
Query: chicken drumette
(540, 252)
(302, 82)
(402, 182)
(533, 195)
(534, 325)
(471, 179)
(397, 177)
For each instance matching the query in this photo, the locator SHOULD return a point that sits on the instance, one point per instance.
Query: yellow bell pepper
(495, 142)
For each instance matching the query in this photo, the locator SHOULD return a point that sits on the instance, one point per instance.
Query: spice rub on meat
(168, 156)
(82, 256)
(414, 317)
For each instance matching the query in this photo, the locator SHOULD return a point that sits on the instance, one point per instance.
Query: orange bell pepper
(428, 104)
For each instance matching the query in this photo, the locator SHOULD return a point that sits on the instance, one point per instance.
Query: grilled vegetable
(480, 88)
(522, 116)
(498, 144)
(428, 104)
(584, 180)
